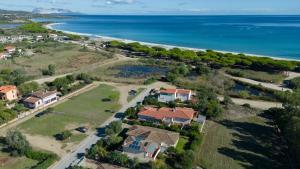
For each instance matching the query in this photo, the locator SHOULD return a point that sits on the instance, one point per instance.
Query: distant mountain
(52, 11)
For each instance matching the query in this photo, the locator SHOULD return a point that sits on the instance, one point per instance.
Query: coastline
(106, 38)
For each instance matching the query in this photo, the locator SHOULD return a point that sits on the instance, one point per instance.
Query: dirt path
(292, 75)
(260, 104)
(272, 86)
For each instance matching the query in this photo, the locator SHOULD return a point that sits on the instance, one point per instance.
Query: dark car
(82, 129)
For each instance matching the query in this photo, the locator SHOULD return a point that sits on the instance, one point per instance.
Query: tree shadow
(255, 145)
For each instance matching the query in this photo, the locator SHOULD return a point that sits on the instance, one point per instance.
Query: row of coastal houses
(33, 101)
(8, 51)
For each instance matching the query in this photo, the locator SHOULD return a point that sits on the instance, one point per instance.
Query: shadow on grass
(255, 145)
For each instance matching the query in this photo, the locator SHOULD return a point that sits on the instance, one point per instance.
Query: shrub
(17, 143)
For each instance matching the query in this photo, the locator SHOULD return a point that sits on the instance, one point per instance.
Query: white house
(41, 98)
(168, 95)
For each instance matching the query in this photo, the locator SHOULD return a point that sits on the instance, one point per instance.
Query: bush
(64, 135)
(17, 143)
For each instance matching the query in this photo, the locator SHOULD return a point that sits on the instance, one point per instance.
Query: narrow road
(73, 157)
(272, 86)
(259, 104)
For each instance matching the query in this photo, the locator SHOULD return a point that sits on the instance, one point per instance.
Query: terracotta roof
(183, 91)
(5, 89)
(32, 100)
(150, 134)
(9, 47)
(174, 91)
(184, 113)
(168, 91)
(43, 94)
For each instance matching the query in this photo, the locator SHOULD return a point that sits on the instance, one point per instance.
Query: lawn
(181, 143)
(248, 142)
(66, 58)
(88, 109)
(8, 162)
(139, 91)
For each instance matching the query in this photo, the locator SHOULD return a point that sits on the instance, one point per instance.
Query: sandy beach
(106, 38)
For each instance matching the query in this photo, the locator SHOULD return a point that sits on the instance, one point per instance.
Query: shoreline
(107, 38)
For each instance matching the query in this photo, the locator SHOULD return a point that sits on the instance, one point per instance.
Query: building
(4, 56)
(41, 98)
(8, 93)
(169, 116)
(149, 141)
(168, 95)
(10, 49)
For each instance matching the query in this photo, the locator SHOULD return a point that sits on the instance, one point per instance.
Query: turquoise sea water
(277, 36)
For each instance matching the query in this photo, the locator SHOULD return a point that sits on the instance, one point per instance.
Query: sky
(160, 7)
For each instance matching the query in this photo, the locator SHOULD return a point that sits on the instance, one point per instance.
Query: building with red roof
(10, 49)
(169, 116)
(168, 95)
(8, 93)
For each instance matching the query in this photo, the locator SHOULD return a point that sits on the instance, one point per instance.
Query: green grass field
(66, 57)
(248, 142)
(181, 143)
(86, 109)
(8, 162)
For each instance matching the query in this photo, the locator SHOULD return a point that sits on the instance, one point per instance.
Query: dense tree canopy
(213, 58)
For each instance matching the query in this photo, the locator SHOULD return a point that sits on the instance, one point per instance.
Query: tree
(17, 143)
(227, 100)
(113, 128)
(64, 135)
(131, 113)
(27, 88)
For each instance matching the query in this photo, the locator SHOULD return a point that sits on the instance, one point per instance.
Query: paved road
(72, 157)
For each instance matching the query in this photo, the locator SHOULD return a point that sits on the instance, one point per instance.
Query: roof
(9, 47)
(183, 91)
(43, 94)
(31, 100)
(174, 91)
(150, 134)
(168, 91)
(5, 89)
(160, 114)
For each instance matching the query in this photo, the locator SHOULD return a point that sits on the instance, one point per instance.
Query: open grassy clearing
(244, 142)
(132, 71)
(8, 162)
(257, 75)
(87, 109)
(181, 143)
(66, 58)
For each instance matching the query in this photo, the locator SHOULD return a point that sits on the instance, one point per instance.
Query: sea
(274, 36)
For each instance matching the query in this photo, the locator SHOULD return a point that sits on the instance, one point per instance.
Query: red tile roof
(168, 91)
(5, 89)
(184, 113)
(9, 47)
(174, 91)
(183, 91)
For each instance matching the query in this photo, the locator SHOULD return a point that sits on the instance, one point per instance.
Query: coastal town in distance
(165, 89)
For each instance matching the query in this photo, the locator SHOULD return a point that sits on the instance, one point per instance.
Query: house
(10, 49)
(4, 55)
(149, 141)
(41, 98)
(169, 116)
(168, 95)
(8, 93)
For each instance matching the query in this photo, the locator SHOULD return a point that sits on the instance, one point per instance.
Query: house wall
(50, 99)
(10, 96)
(184, 97)
(166, 97)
